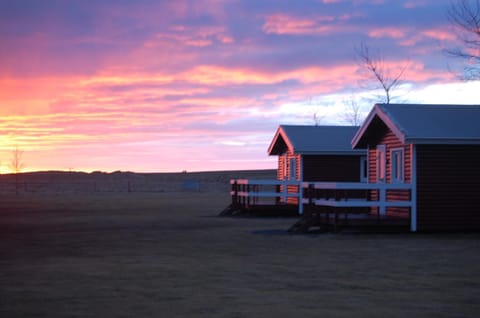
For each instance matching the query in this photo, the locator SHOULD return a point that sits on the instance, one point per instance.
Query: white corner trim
(413, 210)
(300, 188)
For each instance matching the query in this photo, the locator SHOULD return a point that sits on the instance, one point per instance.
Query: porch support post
(413, 191)
(300, 187)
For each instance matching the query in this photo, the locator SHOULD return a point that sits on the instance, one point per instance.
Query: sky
(197, 85)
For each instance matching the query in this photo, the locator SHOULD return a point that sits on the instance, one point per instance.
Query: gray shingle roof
(314, 140)
(427, 124)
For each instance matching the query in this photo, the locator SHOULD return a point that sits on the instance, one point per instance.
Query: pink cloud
(439, 34)
(285, 24)
(394, 33)
(414, 4)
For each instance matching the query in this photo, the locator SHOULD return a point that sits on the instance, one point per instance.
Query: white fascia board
(280, 133)
(274, 140)
(394, 127)
(378, 111)
(361, 131)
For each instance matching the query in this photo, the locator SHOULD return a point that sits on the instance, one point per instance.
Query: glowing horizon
(200, 85)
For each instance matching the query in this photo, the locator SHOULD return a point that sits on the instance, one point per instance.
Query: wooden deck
(284, 210)
(325, 206)
(335, 220)
(261, 197)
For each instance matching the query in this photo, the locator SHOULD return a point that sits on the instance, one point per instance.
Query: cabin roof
(334, 140)
(424, 124)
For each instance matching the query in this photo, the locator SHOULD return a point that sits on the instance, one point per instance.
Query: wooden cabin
(317, 153)
(305, 154)
(436, 150)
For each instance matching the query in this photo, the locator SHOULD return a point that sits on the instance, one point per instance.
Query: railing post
(382, 200)
(277, 190)
(243, 197)
(310, 194)
(235, 193)
(284, 191)
(300, 198)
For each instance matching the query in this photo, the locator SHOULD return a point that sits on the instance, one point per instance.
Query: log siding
(331, 168)
(284, 173)
(447, 187)
(391, 142)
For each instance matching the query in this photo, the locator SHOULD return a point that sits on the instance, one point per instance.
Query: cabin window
(397, 165)
(381, 163)
(363, 169)
(293, 169)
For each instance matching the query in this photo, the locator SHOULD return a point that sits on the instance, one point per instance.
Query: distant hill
(119, 181)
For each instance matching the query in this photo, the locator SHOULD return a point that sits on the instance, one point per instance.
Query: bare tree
(353, 114)
(464, 15)
(377, 71)
(16, 165)
(317, 119)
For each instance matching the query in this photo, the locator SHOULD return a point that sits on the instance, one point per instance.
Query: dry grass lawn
(168, 255)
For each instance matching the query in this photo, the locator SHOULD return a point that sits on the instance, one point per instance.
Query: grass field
(168, 255)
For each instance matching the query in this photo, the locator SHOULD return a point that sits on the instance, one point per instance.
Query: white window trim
(394, 165)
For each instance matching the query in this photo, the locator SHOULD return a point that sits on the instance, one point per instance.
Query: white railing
(344, 200)
(247, 192)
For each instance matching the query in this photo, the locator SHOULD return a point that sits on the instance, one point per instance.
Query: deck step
(308, 224)
(321, 222)
(283, 210)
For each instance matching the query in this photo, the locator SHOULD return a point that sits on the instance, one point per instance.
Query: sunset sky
(153, 86)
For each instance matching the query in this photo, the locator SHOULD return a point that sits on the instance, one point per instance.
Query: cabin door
(363, 169)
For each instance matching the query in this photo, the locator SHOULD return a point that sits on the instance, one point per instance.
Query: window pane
(397, 165)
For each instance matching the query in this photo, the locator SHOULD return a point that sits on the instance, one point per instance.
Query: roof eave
(279, 133)
(443, 141)
(361, 131)
(377, 111)
(354, 152)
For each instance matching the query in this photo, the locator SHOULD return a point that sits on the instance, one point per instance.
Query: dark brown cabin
(317, 153)
(436, 149)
